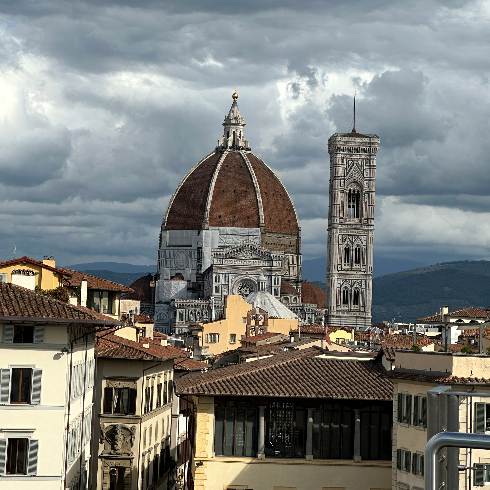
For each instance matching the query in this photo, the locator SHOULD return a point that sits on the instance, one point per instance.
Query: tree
(466, 349)
(416, 348)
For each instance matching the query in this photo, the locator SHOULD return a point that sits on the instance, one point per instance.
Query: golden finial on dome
(235, 95)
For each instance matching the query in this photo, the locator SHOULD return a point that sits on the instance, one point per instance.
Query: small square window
(23, 334)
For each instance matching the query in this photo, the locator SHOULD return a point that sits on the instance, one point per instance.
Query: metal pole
(449, 439)
(481, 338)
(452, 452)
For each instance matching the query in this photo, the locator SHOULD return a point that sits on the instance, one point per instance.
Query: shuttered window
(418, 464)
(18, 456)
(120, 401)
(405, 408)
(480, 417)
(4, 386)
(8, 334)
(20, 385)
(404, 460)
(479, 474)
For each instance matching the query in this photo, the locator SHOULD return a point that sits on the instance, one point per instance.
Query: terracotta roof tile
(189, 364)
(28, 260)
(92, 282)
(111, 345)
(16, 301)
(263, 336)
(142, 290)
(294, 374)
(444, 378)
(469, 312)
(311, 293)
(287, 288)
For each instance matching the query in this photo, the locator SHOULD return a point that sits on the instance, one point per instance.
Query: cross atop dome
(233, 136)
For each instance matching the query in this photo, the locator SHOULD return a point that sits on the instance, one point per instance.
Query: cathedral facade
(351, 229)
(229, 221)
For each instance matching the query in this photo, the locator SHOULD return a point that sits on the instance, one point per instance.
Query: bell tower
(350, 229)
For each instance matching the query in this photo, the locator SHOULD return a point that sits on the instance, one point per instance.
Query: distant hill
(118, 272)
(315, 269)
(113, 267)
(409, 295)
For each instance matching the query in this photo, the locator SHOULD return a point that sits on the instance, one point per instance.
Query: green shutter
(8, 334)
(400, 407)
(398, 459)
(32, 457)
(424, 412)
(479, 478)
(480, 409)
(409, 409)
(416, 419)
(414, 462)
(37, 375)
(3, 456)
(421, 465)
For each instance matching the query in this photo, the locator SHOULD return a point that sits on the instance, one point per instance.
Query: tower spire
(354, 127)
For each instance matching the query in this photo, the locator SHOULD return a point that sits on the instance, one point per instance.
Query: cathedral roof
(232, 187)
(274, 308)
(311, 293)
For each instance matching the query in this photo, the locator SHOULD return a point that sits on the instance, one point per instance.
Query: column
(309, 435)
(261, 441)
(357, 435)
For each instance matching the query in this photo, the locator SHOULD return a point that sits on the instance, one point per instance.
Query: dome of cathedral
(232, 187)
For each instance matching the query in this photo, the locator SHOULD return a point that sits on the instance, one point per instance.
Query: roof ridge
(136, 347)
(265, 363)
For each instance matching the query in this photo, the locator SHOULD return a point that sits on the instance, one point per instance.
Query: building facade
(350, 229)
(415, 375)
(292, 422)
(47, 372)
(133, 413)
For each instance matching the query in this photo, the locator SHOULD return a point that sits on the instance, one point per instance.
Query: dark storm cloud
(106, 106)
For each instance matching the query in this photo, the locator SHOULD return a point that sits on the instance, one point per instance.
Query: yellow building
(241, 319)
(47, 369)
(29, 273)
(294, 421)
(336, 334)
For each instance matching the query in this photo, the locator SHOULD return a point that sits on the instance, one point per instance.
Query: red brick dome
(232, 189)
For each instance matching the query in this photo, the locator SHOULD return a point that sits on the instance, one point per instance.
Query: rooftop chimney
(83, 292)
(49, 261)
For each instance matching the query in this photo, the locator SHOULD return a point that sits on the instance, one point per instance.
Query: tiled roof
(287, 288)
(16, 301)
(263, 336)
(294, 374)
(92, 282)
(274, 308)
(189, 364)
(98, 315)
(444, 378)
(319, 329)
(469, 312)
(141, 290)
(311, 293)
(138, 318)
(110, 345)
(233, 199)
(28, 260)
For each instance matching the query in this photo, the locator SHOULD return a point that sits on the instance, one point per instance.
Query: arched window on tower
(347, 255)
(355, 298)
(345, 297)
(353, 203)
(227, 134)
(357, 255)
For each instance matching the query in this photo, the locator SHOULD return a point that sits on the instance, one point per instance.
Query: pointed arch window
(353, 203)
(355, 298)
(347, 255)
(345, 297)
(357, 255)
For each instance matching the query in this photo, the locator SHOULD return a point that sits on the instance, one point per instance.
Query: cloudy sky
(104, 106)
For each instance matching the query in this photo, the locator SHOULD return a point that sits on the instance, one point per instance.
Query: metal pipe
(449, 439)
(481, 338)
(452, 452)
